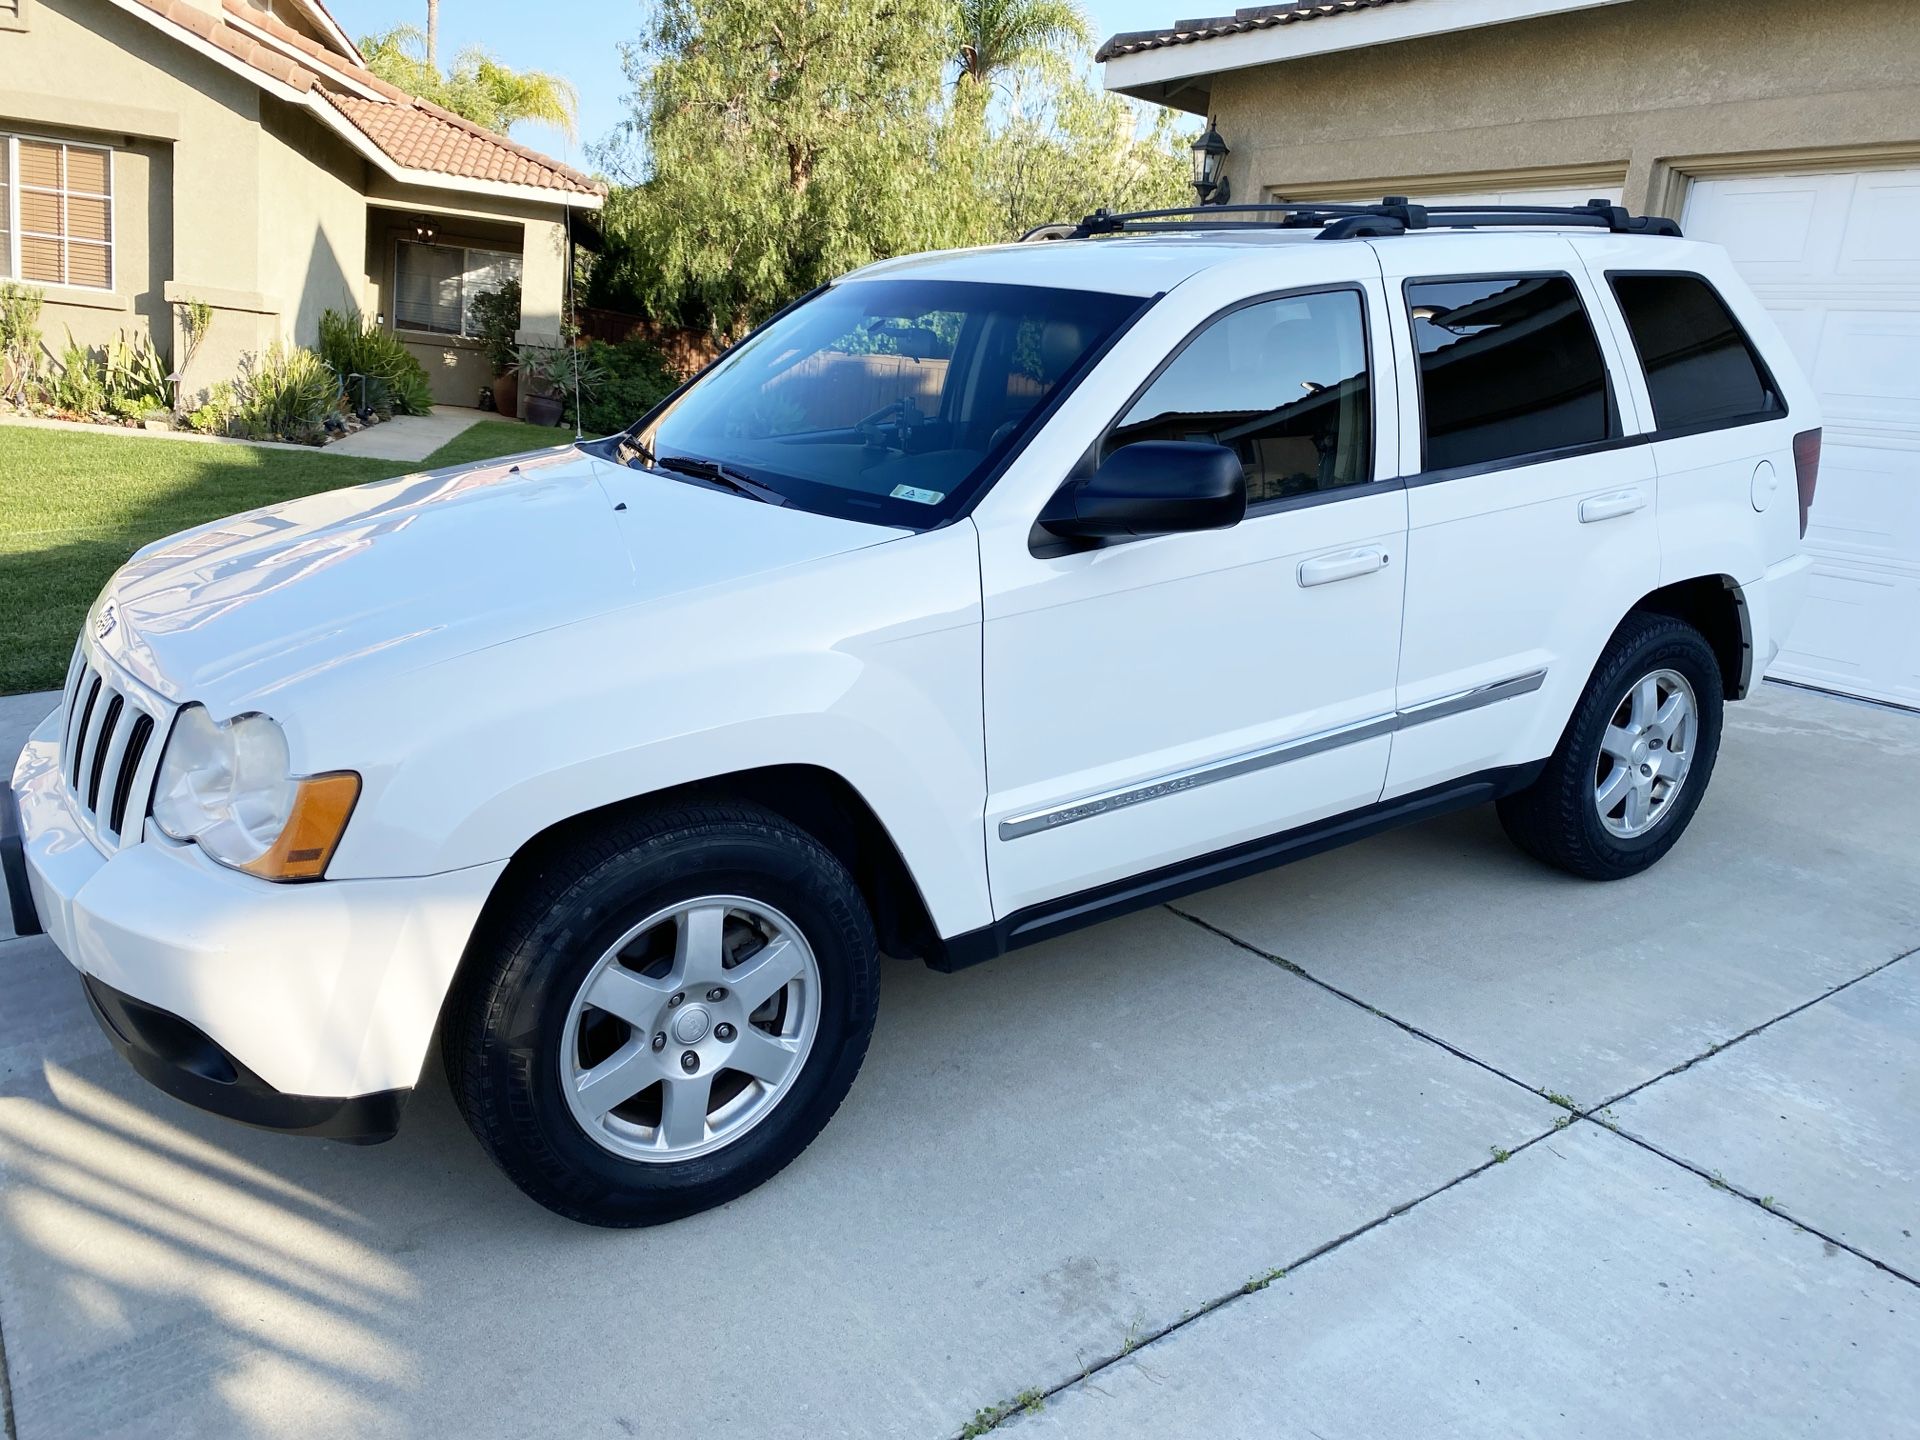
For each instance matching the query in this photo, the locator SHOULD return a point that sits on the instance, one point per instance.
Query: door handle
(1611, 505)
(1346, 565)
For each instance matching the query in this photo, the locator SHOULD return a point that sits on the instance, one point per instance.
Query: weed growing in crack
(988, 1417)
(1260, 1282)
(1500, 1157)
(1565, 1103)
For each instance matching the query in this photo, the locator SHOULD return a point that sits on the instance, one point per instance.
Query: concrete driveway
(1413, 1138)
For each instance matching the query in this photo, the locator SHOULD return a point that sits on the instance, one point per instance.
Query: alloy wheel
(1645, 753)
(690, 1029)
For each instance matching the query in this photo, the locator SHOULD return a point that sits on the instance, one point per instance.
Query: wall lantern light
(1209, 159)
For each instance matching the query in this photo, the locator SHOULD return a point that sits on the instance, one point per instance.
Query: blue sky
(580, 39)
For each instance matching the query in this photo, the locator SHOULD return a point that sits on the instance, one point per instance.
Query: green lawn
(75, 505)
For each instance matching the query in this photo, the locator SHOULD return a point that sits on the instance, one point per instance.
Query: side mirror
(1152, 487)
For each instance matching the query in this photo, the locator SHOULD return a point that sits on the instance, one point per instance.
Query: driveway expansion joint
(990, 1417)
(1720, 1046)
(1598, 1114)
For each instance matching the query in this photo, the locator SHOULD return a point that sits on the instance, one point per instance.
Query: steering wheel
(903, 411)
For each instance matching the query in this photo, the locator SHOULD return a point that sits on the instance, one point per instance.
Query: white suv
(976, 597)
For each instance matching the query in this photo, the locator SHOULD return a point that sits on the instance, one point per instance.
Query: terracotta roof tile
(421, 136)
(411, 132)
(1258, 17)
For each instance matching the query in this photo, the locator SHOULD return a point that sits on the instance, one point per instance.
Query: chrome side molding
(1232, 766)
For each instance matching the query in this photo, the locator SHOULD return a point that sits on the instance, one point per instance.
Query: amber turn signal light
(319, 819)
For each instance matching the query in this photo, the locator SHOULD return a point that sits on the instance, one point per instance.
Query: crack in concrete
(1590, 1115)
(1033, 1399)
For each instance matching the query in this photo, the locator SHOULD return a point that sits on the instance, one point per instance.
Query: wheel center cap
(690, 1024)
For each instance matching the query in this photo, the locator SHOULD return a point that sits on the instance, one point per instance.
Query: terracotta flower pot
(506, 393)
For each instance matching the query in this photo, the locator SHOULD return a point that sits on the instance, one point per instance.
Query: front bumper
(315, 994)
(181, 1060)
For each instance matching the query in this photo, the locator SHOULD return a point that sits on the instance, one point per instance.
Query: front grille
(110, 756)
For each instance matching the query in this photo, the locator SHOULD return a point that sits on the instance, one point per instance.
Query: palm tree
(516, 95)
(477, 86)
(995, 36)
(433, 33)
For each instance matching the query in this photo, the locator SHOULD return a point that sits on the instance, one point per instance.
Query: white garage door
(1836, 259)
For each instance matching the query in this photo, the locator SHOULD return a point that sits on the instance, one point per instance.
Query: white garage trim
(1674, 175)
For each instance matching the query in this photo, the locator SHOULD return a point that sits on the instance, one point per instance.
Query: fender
(865, 664)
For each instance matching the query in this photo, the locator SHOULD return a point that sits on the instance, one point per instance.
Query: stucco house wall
(1639, 95)
(228, 194)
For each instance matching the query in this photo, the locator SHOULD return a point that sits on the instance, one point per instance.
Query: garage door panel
(1883, 228)
(1843, 604)
(1835, 258)
(1867, 367)
(1867, 507)
(1774, 229)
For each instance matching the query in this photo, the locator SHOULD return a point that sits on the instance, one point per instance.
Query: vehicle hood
(426, 566)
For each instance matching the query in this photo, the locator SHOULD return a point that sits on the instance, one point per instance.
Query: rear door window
(1702, 371)
(1509, 369)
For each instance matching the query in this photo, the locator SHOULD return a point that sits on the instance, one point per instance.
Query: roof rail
(1394, 215)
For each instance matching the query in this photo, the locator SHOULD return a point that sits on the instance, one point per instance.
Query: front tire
(1634, 760)
(661, 1017)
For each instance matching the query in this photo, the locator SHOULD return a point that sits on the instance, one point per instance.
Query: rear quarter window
(1702, 370)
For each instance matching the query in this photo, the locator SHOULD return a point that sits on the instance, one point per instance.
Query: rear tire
(662, 1016)
(1634, 760)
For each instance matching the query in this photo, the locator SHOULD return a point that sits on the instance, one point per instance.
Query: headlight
(227, 788)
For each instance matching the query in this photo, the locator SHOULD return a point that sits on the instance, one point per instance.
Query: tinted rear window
(1509, 367)
(1701, 368)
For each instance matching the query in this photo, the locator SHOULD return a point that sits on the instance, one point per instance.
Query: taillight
(1806, 470)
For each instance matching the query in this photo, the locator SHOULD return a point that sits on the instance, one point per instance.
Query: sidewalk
(409, 437)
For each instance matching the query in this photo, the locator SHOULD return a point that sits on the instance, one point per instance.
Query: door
(1162, 698)
(1531, 520)
(1835, 258)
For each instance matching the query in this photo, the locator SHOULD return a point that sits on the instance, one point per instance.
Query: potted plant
(552, 372)
(496, 324)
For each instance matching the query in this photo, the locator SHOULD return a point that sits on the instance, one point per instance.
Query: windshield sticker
(918, 496)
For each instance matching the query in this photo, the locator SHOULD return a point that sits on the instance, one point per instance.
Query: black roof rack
(1393, 216)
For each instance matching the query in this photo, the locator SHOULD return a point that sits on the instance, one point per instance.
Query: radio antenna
(571, 326)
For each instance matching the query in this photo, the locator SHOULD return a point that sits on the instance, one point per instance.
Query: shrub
(215, 414)
(496, 318)
(19, 339)
(285, 394)
(79, 385)
(135, 379)
(396, 380)
(633, 378)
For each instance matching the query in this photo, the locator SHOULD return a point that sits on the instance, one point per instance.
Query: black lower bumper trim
(13, 865)
(183, 1061)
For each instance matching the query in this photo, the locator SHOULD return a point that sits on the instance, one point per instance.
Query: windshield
(887, 400)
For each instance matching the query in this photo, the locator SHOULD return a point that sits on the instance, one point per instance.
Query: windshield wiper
(714, 473)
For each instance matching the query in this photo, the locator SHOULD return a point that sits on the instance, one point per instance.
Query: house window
(435, 285)
(56, 213)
